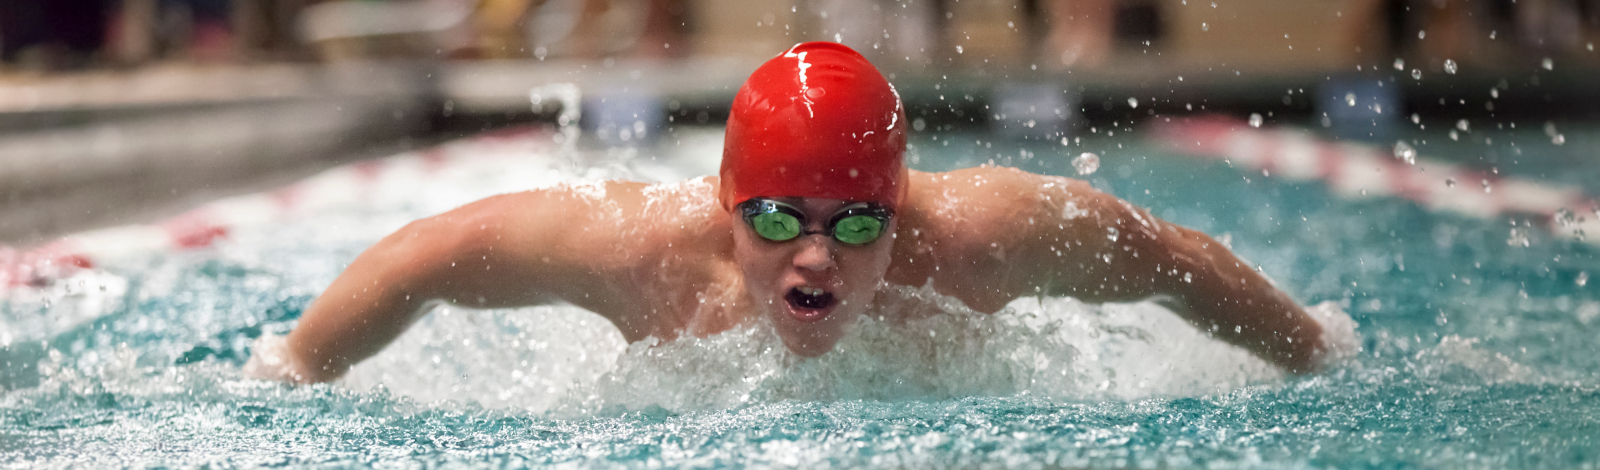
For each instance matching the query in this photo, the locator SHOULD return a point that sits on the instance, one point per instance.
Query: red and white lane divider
(356, 183)
(1361, 171)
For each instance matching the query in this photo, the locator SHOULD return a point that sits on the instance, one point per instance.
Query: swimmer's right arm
(521, 249)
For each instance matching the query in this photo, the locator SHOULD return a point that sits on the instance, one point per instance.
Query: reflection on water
(1476, 353)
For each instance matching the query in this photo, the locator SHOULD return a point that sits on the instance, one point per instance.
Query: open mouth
(809, 303)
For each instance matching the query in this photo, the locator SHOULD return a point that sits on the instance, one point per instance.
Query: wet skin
(665, 260)
(781, 277)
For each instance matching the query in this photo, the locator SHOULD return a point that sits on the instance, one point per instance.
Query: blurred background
(124, 111)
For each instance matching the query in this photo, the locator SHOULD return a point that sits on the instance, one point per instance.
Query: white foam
(919, 345)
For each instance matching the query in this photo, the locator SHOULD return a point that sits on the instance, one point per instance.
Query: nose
(814, 254)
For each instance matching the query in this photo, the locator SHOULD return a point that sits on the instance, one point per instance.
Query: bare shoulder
(1003, 201)
(989, 234)
(599, 224)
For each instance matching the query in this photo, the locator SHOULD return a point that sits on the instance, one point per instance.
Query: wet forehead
(815, 206)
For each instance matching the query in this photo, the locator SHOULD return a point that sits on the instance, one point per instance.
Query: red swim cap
(815, 121)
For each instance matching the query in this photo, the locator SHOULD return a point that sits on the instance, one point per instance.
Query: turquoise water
(1478, 353)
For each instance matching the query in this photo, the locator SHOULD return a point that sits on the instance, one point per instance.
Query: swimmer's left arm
(1063, 237)
(1120, 252)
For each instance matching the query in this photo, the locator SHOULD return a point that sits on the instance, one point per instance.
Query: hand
(270, 360)
(1339, 339)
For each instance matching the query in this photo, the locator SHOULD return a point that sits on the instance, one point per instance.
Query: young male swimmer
(813, 212)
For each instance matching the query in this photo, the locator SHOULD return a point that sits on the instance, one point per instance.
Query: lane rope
(1358, 171)
(205, 226)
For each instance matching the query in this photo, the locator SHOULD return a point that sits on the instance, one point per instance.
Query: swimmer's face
(812, 287)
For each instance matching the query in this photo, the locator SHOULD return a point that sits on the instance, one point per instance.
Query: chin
(808, 347)
(812, 336)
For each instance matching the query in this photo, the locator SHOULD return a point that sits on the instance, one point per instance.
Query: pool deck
(97, 149)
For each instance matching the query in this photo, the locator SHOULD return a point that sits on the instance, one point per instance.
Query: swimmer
(812, 213)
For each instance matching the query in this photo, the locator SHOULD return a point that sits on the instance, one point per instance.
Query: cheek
(758, 266)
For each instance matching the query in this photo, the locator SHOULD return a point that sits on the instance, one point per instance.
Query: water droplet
(1494, 92)
(1558, 139)
(1133, 102)
(1255, 119)
(1188, 277)
(1462, 125)
(1455, 135)
(1350, 99)
(1450, 66)
(1111, 233)
(1583, 278)
(959, 50)
(1205, 27)
(1415, 119)
(1086, 163)
(1416, 74)
(1449, 182)
(1565, 218)
(1422, 34)
(1404, 151)
(1487, 187)
(1548, 64)
(1400, 64)
(1519, 237)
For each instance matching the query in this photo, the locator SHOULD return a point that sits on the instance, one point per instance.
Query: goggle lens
(775, 226)
(858, 229)
(779, 222)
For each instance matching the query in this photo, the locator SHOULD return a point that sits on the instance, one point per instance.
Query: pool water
(1477, 353)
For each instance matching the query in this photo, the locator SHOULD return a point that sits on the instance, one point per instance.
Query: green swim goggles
(857, 224)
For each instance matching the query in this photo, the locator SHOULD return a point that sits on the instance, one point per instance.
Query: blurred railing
(919, 35)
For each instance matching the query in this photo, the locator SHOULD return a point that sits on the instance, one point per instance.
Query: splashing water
(1480, 361)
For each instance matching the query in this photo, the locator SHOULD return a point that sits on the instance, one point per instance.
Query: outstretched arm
(1050, 235)
(512, 250)
(1132, 255)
